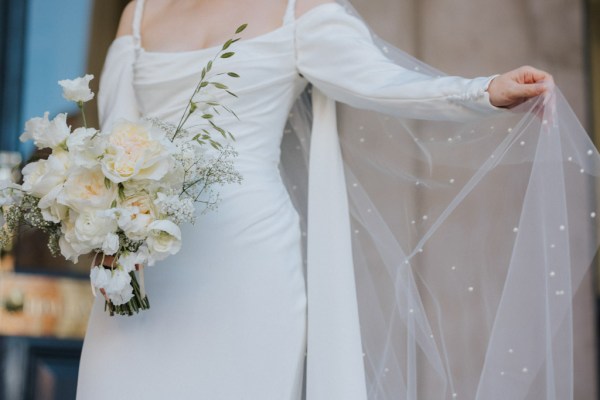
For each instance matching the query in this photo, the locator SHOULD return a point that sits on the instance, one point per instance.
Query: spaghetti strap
(289, 12)
(137, 23)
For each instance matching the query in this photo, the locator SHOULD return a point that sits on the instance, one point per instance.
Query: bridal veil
(442, 257)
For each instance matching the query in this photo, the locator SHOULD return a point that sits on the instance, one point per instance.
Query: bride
(386, 259)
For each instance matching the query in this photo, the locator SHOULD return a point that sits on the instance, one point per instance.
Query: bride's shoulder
(303, 6)
(126, 22)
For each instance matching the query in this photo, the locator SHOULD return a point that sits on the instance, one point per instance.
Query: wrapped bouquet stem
(124, 193)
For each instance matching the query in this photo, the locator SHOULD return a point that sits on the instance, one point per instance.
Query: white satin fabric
(231, 317)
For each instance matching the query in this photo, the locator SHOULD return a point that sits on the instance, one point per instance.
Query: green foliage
(206, 79)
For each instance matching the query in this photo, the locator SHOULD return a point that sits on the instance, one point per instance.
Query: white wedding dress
(228, 317)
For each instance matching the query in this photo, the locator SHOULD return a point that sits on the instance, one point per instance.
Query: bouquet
(122, 193)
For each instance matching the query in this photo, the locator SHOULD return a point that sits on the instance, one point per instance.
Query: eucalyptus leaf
(227, 55)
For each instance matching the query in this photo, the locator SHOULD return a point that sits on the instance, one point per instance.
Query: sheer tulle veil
(468, 241)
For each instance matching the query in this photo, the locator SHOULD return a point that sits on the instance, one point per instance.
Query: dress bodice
(268, 84)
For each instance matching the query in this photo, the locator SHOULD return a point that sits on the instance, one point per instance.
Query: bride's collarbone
(192, 25)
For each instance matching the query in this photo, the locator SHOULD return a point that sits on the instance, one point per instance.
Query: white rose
(47, 133)
(164, 239)
(91, 229)
(41, 176)
(86, 189)
(85, 151)
(128, 260)
(116, 284)
(78, 89)
(67, 250)
(118, 281)
(51, 209)
(136, 151)
(100, 277)
(110, 245)
(35, 128)
(121, 297)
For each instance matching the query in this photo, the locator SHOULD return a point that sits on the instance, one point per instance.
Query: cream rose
(136, 212)
(136, 151)
(86, 189)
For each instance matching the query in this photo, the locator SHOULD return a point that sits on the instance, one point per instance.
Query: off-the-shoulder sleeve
(116, 97)
(336, 53)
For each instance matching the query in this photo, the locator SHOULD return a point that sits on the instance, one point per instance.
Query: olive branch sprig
(207, 79)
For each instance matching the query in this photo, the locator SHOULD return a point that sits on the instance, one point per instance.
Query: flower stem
(80, 104)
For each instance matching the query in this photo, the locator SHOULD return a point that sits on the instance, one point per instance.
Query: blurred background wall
(461, 37)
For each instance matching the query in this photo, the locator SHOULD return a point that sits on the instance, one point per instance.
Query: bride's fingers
(108, 261)
(104, 294)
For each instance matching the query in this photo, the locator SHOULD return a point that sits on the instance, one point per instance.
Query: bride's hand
(108, 262)
(517, 86)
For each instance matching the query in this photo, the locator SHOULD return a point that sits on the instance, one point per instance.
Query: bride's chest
(263, 68)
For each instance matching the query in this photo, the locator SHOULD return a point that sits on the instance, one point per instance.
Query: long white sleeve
(336, 53)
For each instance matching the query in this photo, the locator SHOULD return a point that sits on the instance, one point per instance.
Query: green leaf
(203, 73)
(207, 116)
(232, 112)
(219, 85)
(193, 107)
(215, 145)
(233, 74)
(227, 44)
(209, 66)
(107, 183)
(113, 204)
(204, 84)
(231, 93)
(241, 28)
(227, 55)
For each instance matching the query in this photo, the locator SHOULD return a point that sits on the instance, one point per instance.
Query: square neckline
(259, 37)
